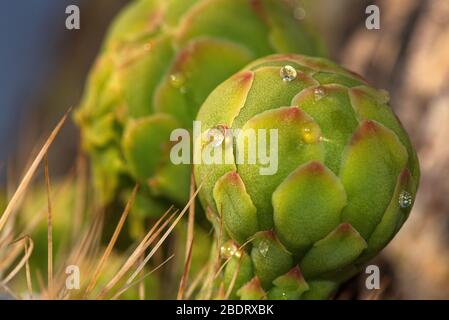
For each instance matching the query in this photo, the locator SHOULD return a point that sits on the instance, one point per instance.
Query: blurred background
(44, 67)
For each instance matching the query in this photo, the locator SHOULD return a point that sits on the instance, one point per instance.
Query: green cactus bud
(345, 182)
(252, 290)
(269, 257)
(160, 61)
(289, 286)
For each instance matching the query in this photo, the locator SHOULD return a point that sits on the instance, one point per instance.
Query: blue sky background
(28, 33)
(43, 68)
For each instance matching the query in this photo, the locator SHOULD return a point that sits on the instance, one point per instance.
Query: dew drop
(288, 73)
(177, 80)
(319, 93)
(217, 135)
(263, 248)
(229, 249)
(311, 133)
(405, 199)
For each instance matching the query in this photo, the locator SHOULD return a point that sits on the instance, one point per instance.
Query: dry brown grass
(85, 250)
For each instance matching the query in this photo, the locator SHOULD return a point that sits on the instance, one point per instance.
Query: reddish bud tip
(244, 77)
(269, 234)
(295, 273)
(344, 228)
(254, 283)
(291, 113)
(369, 126)
(257, 6)
(366, 128)
(404, 177)
(315, 167)
(357, 93)
(234, 176)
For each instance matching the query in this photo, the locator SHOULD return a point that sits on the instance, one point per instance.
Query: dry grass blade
(30, 173)
(142, 286)
(112, 242)
(49, 230)
(139, 280)
(79, 252)
(41, 214)
(22, 262)
(196, 282)
(220, 292)
(219, 244)
(191, 221)
(78, 255)
(166, 234)
(10, 178)
(138, 252)
(40, 280)
(30, 226)
(87, 240)
(28, 273)
(81, 191)
(8, 233)
(189, 242)
(9, 291)
(185, 274)
(8, 256)
(207, 287)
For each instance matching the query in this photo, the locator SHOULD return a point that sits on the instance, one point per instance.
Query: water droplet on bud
(311, 133)
(263, 247)
(177, 80)
(319, 93)
(217, 135)
(229, 249)
(288, 73)
(405, 199)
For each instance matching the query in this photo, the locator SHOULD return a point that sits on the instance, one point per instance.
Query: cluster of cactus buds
(159, 62)
(345, 173)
